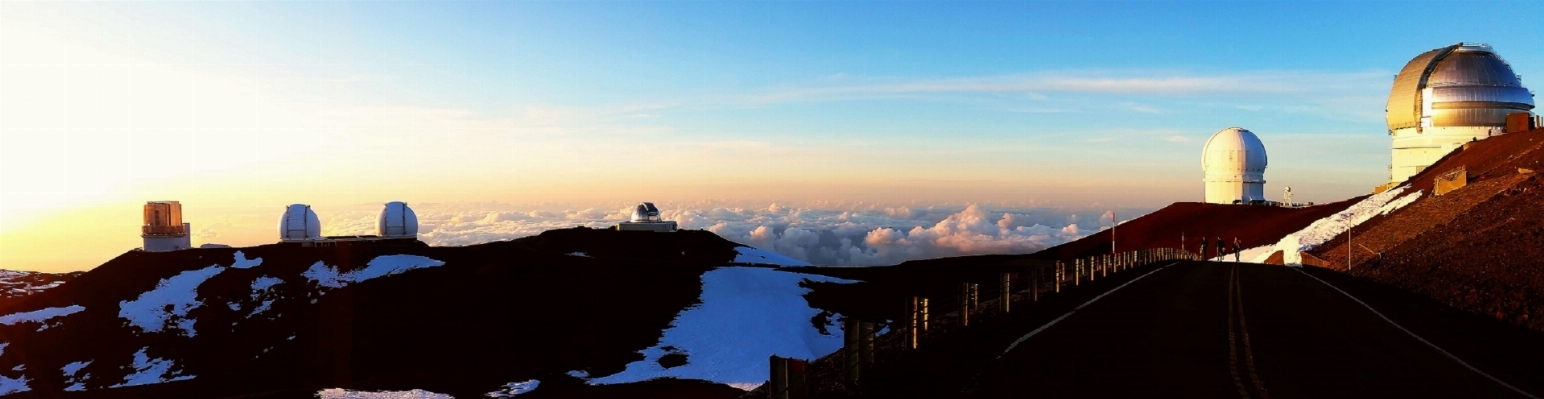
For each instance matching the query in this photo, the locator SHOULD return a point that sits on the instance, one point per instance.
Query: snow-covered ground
(149, 370)
(1325, 229)
(169, 302)
(514, 388)
(758, 256)
(75, 383)
(340, 393)
(243, 263)
(747, 314)
(38, 316)
(381, 266)
(1249, 254)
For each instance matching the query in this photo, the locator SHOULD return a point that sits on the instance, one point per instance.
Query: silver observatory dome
(1446, 97)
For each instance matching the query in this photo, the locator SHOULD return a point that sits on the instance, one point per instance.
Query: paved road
(1214, 330)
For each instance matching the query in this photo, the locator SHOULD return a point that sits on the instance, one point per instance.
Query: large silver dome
(1446, 97)
(1464, 84)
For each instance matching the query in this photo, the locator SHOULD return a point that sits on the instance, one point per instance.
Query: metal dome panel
(1458, 85)
(1404, 106)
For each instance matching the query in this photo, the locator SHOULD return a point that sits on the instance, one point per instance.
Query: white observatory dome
(397, 220)
(1234, 161)
(299, 223)
(646, 212)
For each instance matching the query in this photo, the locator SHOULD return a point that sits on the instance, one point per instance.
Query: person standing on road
(1203, 247)
(1236, 248)
(1220, 248)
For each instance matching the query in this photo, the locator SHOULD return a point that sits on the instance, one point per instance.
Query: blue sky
(1094, 105)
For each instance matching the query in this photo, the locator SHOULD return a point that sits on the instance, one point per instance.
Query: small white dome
(1233, 150)
(397, 220)
(646, 212)
(299, 223)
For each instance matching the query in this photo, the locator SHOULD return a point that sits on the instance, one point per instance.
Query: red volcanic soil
(1478, 248)
(1253, 226)
(492, 314)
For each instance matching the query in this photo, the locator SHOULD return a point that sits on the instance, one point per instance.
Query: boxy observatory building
(164, 229)
(1234, 162)
(1447, 97)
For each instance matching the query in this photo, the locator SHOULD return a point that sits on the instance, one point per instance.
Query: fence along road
(1214, 330)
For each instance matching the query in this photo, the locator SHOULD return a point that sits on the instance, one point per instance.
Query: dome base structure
(1415, 149)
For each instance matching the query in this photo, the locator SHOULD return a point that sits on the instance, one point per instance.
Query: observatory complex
(1447, 97)
(300, 225)
(163, 229)
(646, 218)
(1234, 163)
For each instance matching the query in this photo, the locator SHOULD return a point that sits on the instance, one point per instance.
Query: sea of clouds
(822, 234)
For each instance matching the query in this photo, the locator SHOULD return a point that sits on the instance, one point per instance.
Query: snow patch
(38, 316)
(381, 266)
(243, 263)
(262, 290)
(746, 315)
(10, 385)
(340, 393)
(753, 255)
(180, 292)
(579, 254)
(76, 384)
(2, 347)
(579, 374)
(514, 388)
(1325, 229)
(148, 370)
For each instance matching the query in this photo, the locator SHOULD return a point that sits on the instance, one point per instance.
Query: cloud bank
(837, 235)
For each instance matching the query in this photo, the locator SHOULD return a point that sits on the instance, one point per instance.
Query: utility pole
(1112, 232)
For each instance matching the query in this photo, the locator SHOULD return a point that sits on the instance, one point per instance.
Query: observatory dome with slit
(299, 223)
(1446, 97)
(397, 220)
(1234, 162)
(645, 212)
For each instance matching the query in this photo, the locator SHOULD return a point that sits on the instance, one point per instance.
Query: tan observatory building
(1234, 162)
(1447, 97)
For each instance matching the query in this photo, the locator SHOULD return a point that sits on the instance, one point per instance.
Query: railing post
(779, 380)
(866, 343)
(965, 304)
(1034, 284)
(923, 314)
(850, 345)
(1005, 292)
(913, 309)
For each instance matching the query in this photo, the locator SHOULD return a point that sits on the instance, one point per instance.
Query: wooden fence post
(779, 382)
(923, 315)
(964, 304)
(1005, 292)
(866, 343)
(912, 310)
(850, 334)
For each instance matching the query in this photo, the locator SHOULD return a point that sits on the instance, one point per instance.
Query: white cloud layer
(822, 234)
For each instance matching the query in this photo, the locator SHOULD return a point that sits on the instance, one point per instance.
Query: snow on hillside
(39, 316)
(169, 302)
(75, 383)
(746, 315)
(340, 393)
(148, 370)
(18, 284)
(381, 266)
(1325, 229)
(514, 388)
(752, 255)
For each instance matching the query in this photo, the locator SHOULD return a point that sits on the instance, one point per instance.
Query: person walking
(1236, 249)
(1203, 247)
(1220, 248)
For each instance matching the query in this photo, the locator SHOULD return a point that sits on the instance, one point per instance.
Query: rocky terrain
(581, 312)
(14, 284)
(1479, 248)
